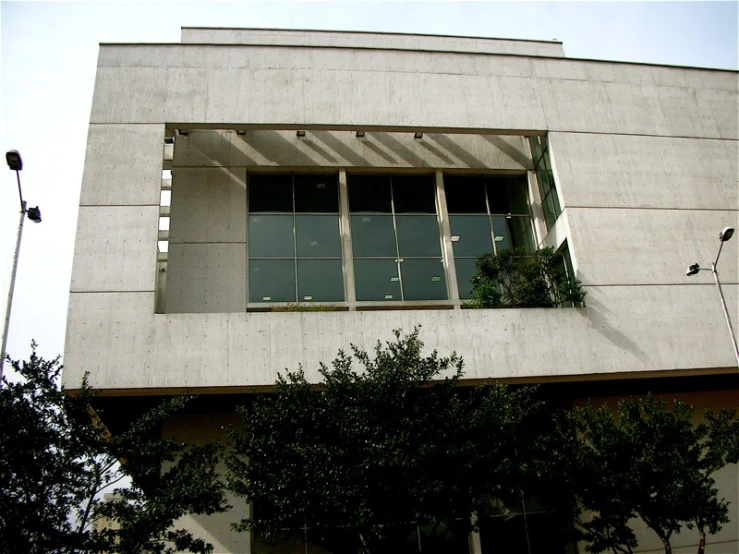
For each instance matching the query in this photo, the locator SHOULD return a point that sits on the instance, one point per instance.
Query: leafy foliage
(368, 451)
(517, 278)
(645, 461)
(56, 459)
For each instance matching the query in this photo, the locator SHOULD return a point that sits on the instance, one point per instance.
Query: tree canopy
(374, 448)
(57, 458)
(649, 461)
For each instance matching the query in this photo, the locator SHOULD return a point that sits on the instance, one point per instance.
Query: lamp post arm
(12, 285)
(20, 191)
(720, 246)
(726, 311)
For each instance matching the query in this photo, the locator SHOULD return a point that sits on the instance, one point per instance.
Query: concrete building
(243, 172)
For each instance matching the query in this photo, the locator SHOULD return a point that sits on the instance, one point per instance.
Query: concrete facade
(645, 158)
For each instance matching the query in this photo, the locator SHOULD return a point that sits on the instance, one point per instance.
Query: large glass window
(395, 238)
(545, 178)
(487, 213)
(294, 240)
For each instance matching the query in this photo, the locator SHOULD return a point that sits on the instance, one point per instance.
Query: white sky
(49, 56)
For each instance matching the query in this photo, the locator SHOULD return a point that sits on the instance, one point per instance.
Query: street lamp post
(723, 237)
(15, 163)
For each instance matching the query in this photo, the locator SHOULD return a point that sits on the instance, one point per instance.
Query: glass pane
(373, 236)
(465, 194)
(320, 281)
(423, 279)
(414, 194)
(551, 208)
(271, 236)
(317, 236)
(465, 271)
(270, 192)
(512, 232)
(418, 235)
(545, 182)
(508, 195)
(377, 280)
(471, 235)
(271, 281)
(317, 193)
(535, 148)
(369, 193)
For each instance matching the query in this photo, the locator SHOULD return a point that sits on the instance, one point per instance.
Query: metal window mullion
(295, 242)
(397, 246)
(447, 249)
(490, 217)
(347, 249)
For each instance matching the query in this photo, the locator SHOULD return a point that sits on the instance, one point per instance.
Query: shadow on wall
(345, 149)
(596, 313)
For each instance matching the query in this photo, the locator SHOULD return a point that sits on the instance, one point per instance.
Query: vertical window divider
(347, 250)
(398, 259)
(295, 242)
(535, 199)
(246, 242)
(489, 214)
(447, 250)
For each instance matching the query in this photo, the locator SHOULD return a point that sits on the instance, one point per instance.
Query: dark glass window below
(271, 281)
(418, 235)
(271, 236)
(377, 280)
(465, 194)
(512, 232)
(369, 193)
(465, 271)
(317, 236)
(320, 281)
(508, 195)
(373, 236)
(270, 192)
(414, 194)
(423, 279)
(316, 193)
(471, 235)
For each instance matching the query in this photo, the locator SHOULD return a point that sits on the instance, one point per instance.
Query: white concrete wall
(395, 41)
(645, 158)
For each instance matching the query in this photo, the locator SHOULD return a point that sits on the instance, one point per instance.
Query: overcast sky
(49, 56)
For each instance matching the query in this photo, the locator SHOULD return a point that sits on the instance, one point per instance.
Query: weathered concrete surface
(123, 344)
(397, 41)
(259, 85)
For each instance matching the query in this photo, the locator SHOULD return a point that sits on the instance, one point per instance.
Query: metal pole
(726, 311)
(12, 282)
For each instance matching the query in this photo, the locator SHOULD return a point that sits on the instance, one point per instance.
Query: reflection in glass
(418, 235)
(373, 236)
(369, 193)
(512, 232)
(271, 281)
(377, 280)
(270, 192)
(465, 271)
(271, 236)
(317, 236)
(423, 279)
(470, 235)
(413, 194)
(320, 281)
(465, 194)
(317, 193)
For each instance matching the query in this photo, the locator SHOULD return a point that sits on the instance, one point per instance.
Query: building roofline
(383, 33)
(425, 51)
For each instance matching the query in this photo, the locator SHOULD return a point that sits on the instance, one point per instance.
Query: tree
(56, 458)
(647, 461)
(367, 452)
(516, 278)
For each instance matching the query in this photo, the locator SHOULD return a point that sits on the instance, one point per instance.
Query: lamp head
(693, 269)
(15, 162)
(34, 214)
(726, 234)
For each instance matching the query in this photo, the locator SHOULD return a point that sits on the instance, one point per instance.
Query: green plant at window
(516, 278)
